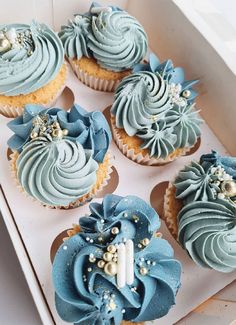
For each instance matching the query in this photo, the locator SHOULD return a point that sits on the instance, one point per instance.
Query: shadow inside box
(66, 99)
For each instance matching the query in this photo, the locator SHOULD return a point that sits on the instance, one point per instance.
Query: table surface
(17, 306)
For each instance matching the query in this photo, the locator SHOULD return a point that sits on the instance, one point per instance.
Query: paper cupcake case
(33, 228)
(98, 187)
(93, 82)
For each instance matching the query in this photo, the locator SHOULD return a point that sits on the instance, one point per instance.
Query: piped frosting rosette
(115, 269)
(103, 45)
(150, 122)
(60, 158)
(200, 211)
(31, 56)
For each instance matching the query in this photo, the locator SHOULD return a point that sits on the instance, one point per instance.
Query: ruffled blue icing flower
(173, 75)
(89, 129)
(87, 290)
(159, 139)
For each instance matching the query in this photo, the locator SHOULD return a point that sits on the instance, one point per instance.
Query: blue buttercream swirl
(118, 41)
(74, 37)
(23, 73)
(194, 183)
(207, 180)
(85, 294)
(140, 100)
(159, 139)
(56, 172)
(207, 230)
(114, 38)
(173, 75)
(89, 129)
(186, 124)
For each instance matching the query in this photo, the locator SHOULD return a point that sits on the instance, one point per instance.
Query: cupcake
(114, 269)
(103, 45)
(60, 158)
(153, 116)
(32, 68)
(200, 211)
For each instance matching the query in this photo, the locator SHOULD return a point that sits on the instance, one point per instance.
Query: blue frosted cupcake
(60, 158)
(200, 211)
(32, 67)
(103, 45)
(114, 269)
(153, 116)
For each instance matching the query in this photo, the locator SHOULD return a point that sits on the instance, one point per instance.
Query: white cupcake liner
(79, 202)
(138, 157)
(14, 111)
(94, 82)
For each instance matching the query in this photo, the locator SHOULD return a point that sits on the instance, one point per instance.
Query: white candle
(121, 267)
(129, 245)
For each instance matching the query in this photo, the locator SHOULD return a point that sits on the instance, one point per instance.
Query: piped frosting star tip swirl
(115, 268)
(155, 107)
(206, 224)
(58, 154)
(111, 36)
(30, 57)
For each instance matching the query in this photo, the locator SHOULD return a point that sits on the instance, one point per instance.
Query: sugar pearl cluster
(11, 39)
(43, 127)
(223, 182)
(177, 95)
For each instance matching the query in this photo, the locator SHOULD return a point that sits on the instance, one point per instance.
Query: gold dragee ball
(101, 264)
(145, 241)
(65, 132)
(5, 45)
(57, 133)
(33, 135)
(229, 188)
(110, 268)
(107, 256)
(115, 230)
(111, 249)
(186, 93)
(143, 270)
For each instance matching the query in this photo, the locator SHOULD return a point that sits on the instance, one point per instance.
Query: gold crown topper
(43, 127)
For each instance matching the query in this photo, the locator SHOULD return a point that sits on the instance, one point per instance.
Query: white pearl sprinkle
(65, 248)
(89, 269)
(123, 311)
(91, 240)
(102, 221)
(153, 263)
(142, 259)
(148, 262)
(87, 238)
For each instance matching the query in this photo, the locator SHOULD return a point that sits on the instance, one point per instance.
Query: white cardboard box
(33, 228)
